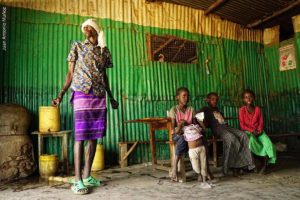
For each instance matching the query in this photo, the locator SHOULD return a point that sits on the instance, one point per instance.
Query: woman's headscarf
(101, 37)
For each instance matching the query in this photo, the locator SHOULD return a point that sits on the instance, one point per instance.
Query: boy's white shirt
(200, 116)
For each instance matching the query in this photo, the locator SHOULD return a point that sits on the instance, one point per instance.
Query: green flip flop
(91, 182)
(79, 188)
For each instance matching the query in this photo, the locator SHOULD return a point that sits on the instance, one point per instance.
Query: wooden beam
(275, 14)
(180, 48)
(129, 152)
(214, 6)
(151, 1)
(149, 47)
(192, 59)
(163, 46)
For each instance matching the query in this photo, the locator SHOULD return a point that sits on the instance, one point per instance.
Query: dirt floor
(141, 182)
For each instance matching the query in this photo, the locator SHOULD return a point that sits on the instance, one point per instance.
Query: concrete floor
(141, 182)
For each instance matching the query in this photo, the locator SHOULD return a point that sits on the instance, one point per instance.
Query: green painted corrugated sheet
(284, 90)
(35, 65)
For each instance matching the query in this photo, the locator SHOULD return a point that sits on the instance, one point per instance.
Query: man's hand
(114, 104)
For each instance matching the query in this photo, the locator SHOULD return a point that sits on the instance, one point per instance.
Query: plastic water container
(98, 163)
(48, 165)
(49, 119)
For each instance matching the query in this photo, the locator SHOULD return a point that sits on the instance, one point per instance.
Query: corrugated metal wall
(35, 65)
(284, 89)
(140, 12)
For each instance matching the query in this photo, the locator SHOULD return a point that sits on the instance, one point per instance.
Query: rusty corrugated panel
(239, 11)
(199, 4)
(160, 15)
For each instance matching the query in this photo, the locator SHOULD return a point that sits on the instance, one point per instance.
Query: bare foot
(204, 179)
(264, 166)
(200, 178)
(174, 175)
(262, 171)
(210, 176)
(236, 173)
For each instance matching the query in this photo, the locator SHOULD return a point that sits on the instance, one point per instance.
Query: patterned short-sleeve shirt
(90, 66)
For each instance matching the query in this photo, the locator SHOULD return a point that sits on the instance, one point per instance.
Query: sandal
(91, 182)
(79, 188)
(71, 180)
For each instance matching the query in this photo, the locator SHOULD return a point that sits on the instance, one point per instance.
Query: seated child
(251, 121)
(236, 153)
(181, 115)
(197, 153)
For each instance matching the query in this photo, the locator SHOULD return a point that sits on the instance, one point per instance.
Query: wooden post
(129, 152)
(215, 152)
(40, 144)
(171, 145)
(214, 6)
(123, 151)
(152, 144)
(65, 153)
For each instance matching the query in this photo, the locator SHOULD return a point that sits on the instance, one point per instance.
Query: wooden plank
(65, 153)
(142, 142)
(129, 152)
(123, 151)
(179, 50)
(215, 154)
(163, 46)
(152, 145)
(40, 144)
(149, 120)
(275, 14)
(161, 167)
(214, 6)
(284, 135)
(149, 47)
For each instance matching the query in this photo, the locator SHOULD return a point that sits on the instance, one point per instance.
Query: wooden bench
(213, 141)
(125, 151)
(279, 135)
(126, 148)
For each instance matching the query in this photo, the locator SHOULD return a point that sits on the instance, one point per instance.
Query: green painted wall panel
(284, 89)
(35, 65)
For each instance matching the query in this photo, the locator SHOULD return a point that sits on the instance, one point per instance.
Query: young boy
(197, 153)
(236, 153)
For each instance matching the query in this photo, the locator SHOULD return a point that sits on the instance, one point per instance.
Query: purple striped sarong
(89, 116)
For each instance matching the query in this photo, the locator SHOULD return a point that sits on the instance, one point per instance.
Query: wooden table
(154, 125)
(65, 137)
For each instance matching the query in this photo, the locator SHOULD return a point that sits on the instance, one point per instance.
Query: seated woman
(251, 121)
(236, 153)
